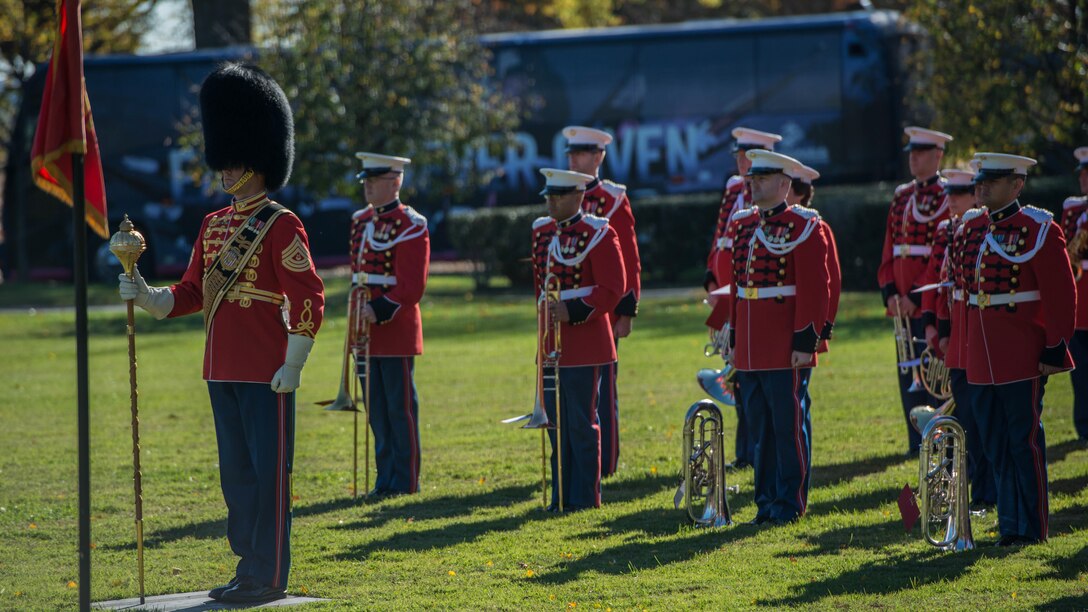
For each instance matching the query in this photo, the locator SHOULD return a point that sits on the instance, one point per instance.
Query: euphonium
(702, 480)
(904, 349)
(936, 379)
(942, 487)
(718, 383)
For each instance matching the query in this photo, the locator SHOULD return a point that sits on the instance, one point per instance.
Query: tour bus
(832, 85)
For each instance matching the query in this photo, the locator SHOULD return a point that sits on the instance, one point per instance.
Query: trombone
(356, 343)
(904, 349)
(548, 351)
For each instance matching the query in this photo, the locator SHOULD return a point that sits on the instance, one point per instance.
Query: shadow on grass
(921, 565)
(217, 528)
(1059, 452)
(837, 473)
(858, 502)
(635, 555)
(445, 507)
(1068, 486)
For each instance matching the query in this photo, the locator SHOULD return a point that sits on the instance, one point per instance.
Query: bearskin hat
(247, 123)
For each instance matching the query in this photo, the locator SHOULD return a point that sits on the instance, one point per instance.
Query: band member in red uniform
(916, 209)
(947, 268)
(608, 200)
(736, 195)
(391, 251)
(252, 277)
(1074, 217)
(779, 272)
(801, 194)
(584, 254)
(1021, 310)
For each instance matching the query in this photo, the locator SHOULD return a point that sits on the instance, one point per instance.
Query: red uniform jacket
(1018, 252)
(950, 302)
(735, 196)
(916, 210)
(584, 253)
(834, 273)
(780, 253)
(1073, 211)
(936, 271)
(247, 337)
(609, 200)
(391, 251)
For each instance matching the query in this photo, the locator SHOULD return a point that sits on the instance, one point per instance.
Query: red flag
(65, 126)
(908, 507)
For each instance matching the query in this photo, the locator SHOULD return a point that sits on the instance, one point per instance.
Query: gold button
(790, 225)
(398, 222)
(1023, 230)
(982, 265)
(1015, 268)
(779, 283)
(992, 227)
(751, 270)
(599, 210)
(751, 283)
(781, 260)
(1020, 242)
(781, 272)
(581, 243)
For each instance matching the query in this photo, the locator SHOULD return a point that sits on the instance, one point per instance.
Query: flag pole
(79, 275)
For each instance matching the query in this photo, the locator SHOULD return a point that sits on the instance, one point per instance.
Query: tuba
(904, 349)
(942, 481)
(718, 383)
(702, 480)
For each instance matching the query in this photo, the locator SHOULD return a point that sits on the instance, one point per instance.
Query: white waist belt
(957, 294)
(725, 243)
(580, 292)
(1084, 264)
(362, 278)
(760, 293)
(912, 250)
(982, 300)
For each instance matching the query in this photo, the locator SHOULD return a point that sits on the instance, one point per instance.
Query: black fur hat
(247, 123)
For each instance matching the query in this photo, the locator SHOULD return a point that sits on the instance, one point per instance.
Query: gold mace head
(127, 245)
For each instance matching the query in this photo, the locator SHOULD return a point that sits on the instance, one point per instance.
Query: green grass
(476, 537)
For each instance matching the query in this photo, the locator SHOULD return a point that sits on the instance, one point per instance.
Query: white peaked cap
(769, 162)
(747, 138)
(923, 138)
(580, 138)
(557, 182)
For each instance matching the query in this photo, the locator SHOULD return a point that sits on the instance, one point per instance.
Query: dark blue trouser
(255, 432)
(1078, 347)
(608, 411)
(910, 399)
(581, 432)
(1009, 418)
(979, 468)
(745, 445)
(777, 405)
(394, 416)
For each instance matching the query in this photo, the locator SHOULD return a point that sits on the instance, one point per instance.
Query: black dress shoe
(739, 464)
(377, 493)
(251, 592)
(218, 591)
(758, 520)
(783, 522)
(1009, 540)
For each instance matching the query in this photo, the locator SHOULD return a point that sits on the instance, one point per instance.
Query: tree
(27, 30)
(403, 78)
(1004, 75)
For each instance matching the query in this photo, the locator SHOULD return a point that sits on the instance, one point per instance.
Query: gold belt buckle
(751, 293)
(983, 300)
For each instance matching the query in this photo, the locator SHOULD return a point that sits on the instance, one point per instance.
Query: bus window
(799, 72)
(698, 78)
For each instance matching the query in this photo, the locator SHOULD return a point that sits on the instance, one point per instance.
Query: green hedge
(674, 232)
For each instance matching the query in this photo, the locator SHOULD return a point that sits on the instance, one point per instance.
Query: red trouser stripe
(1037, 458)
(413, 461)
(799, 443)
(281, 475)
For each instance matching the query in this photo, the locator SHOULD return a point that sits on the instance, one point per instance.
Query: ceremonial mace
(127, 245)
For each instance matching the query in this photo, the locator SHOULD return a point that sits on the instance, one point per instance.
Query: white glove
(158, 301)
(289, 376)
